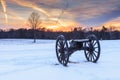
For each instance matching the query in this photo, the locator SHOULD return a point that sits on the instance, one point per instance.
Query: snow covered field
(20, 59)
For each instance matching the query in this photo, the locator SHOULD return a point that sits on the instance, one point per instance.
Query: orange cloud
(112, 24)
(60, 25)
(115, 23)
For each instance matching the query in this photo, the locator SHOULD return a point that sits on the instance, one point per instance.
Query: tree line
(77, 33)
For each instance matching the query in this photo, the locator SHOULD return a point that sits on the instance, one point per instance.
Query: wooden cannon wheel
(92, 49)
(62, 50)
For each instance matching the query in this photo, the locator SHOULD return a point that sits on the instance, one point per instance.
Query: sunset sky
(60, 14)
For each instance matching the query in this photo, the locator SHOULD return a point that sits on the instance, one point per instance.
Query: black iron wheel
(62, 50)
(92, 49)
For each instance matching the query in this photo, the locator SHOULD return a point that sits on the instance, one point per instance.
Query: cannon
(90, 45)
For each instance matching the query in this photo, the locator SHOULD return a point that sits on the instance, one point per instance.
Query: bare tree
(34, 22)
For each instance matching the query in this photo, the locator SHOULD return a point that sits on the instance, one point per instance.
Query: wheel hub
(91, 48)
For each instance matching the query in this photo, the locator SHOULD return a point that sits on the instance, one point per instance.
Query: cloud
(64, 25)
(92, 8)
(12, 15)
(115, 22)
(64, 11)
(30, 5)
(3, 3)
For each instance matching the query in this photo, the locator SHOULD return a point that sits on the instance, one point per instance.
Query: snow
(21, 59)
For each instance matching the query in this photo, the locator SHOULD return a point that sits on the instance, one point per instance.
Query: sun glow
(52, 27)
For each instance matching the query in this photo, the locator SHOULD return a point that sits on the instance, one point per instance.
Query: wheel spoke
(58, 48)
(88, 44)
(59, 42)
(87, 54)
(95, 51)
(93, 57)
(90, 57)
(95, 47)
(94, 54)
(62, 61)
(94, 43)
(60, 54)
(63, 43)
(59, 45)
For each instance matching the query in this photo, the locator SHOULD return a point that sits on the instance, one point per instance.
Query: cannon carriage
(65, 48)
